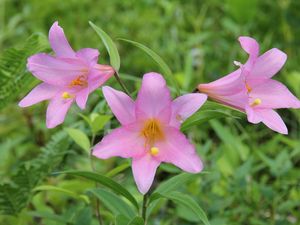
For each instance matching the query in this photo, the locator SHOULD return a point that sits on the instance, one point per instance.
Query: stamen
(152, 132)
(237, 63)
(66, 95)
(249, 89)
(154, 151)
(256, 102)
(79, 81)
(179, 118)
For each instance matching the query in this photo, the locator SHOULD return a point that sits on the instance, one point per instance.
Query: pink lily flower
(150, 130)
(251, 89)
(66, 77)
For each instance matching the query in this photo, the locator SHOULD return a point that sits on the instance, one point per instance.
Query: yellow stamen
(152, 132)
(249, 89)
(154, 151)
(79, 81)
(66, 95)
(256, 102)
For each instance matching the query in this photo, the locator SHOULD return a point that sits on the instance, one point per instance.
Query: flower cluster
(150, 131)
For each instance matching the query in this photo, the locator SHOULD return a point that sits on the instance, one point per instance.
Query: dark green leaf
(136, 221)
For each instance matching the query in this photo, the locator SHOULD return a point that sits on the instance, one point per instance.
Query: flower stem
(144, 209)
(117, 76)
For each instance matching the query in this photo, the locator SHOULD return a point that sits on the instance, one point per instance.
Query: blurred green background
(254, 173)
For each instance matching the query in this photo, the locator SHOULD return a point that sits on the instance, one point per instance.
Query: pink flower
(251, 89)
(66, 77)
(150, 130)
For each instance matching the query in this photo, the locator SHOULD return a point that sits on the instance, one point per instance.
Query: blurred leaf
(122, 220)
(48, 215)
(14, 77)
(99, 121)
(107, 182)
(118, 169)
(243, 11)
(79, 138)
(110, 46)
(165, 68)
(64, 191)
(136, 221)
(113, 202)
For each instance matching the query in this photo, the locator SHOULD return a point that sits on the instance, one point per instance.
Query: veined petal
(58, 72)
(154, 99)
(270, 118)
(59, 42)
(185, 106)
(89, 55)
(124, 142)
(176, 149)
(250, 46)
(40, 93)
(82, 97)
(144, 169)
(98, 77)
(121, 105)
(266, 66)
(57, 110)
(274, 94)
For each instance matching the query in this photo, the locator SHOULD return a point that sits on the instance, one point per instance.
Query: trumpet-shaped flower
(66, 77)
(150, 130)
(251, 89)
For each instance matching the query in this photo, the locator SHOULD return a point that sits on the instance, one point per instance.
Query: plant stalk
(144, 209)
(117, 76)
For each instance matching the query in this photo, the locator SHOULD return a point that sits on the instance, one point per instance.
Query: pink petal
(266, 66)
(57, 110)
(124, 142)
(227, 85)
(176, 149)
(98, 77)
(59, 42)
(82, 97)
(58, 72)
(89, 55)
(40, 93)
(274, 94)
(271, 119)
(121, 105)
(154, 98)
(252, 116)
(185, 106)
(144, 169)
(250, 46)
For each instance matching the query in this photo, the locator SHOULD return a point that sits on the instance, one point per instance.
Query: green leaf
(188, 202)
(210, 110)
(79, 138)
(165, 68)
(15, 195)
(122, 220)
(113, 202)
(14, 78)
(136, 221)
(109, 45)
(118, 169)
(99, 121)
(64, 191)
(105, 181)
(49, 216)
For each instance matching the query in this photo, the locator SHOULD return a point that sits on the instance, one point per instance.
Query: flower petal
(121, 105)
(59, 42)
(154, 99)
(89, 55)
(58, 72)
(176, 149)
(144, 169)
(82, 97)
(185, 106)
(266, 66)
(124, 142)
(250, 46)
(57, 110)
(271, 119)
(274, 94)
(40, 93)
(98, 77)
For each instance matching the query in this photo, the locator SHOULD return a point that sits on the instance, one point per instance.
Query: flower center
(249, 89)
(66, 95)
(154, 151)
(79, 81)
(152, 132)
(256, 102)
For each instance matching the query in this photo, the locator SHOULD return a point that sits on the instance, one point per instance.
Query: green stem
(144, 209)
(117, 76)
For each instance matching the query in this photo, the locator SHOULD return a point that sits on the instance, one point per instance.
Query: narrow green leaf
(189, 203)
(136, 221)
(80, 138)
(163, 65)
(118, 169)
(121, 220)
(49, 216)
(110, 46)
(113, 202)
(105, 181)
(64, 191)
(99, 122)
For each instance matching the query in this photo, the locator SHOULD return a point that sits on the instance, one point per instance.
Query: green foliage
(80, 138)
(15, 195)
(13, 75)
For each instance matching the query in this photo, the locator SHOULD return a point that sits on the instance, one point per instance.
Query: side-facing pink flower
(251, 89)
(150, 129)
(66, 77)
